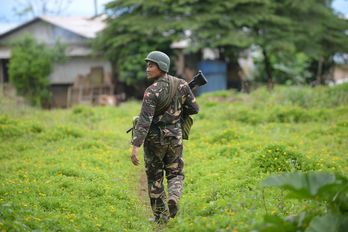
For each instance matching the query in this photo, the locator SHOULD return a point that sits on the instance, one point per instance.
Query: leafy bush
(225, 137)
(228, 151)
(30, 65)
(308, 98)
(338, 95)
(81, 113)
(289, 115)
(62, 132)
(290, 68)
(248, 116)
(276, 158)
(325, 188)
(295, 114)
(9, 128)
(304, 97)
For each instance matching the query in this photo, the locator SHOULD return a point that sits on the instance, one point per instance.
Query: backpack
(186, 120)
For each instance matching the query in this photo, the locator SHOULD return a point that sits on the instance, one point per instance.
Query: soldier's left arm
(190, 105)
(145, 117)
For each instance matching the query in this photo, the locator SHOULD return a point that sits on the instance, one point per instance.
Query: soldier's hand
(134, 156)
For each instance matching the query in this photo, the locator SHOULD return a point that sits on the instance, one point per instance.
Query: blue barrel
(216, 74)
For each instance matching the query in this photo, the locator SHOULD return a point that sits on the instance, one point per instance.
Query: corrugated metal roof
(87, 27)
(83, 26)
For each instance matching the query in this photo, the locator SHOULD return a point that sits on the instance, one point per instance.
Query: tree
(290, 68)
(29, 68)
(277, 27)
(310, 27)
(133, 30)
(149, 25)
(225, 25)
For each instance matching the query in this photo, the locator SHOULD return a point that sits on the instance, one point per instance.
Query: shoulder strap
(173, 86)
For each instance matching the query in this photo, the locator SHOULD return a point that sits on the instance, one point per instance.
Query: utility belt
(159, 128)
(185, 123)
(163, 125)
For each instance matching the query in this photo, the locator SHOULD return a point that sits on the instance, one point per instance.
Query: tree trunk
(319, 76)
(234, 70)
(118, 86)
(268, 68)
(234, 77)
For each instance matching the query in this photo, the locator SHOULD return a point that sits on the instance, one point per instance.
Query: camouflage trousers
(163, 157)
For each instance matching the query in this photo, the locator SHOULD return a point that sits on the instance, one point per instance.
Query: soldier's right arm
(190, 105)
(145, 118)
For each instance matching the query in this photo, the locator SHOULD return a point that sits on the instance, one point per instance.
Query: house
(340, 70)
(340, 74)
(84, 77)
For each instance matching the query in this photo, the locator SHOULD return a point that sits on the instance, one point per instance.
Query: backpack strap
(173, 87)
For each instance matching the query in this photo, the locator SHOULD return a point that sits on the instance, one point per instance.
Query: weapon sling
(186, 120)
(163, 105)
(173, 86)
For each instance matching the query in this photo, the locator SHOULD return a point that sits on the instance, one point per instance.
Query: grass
(69, 170)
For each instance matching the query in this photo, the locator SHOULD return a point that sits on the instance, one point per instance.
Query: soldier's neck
(161, 77)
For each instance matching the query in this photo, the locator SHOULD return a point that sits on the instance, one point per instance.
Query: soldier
(161, 134)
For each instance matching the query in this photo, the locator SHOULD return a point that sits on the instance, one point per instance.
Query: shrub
(29, 68)
(296, 115)
(276, 158)
(62, 132)
(249, 117)
(82, 113)
(9, 128)
(318, 97)
(225, 137)
(228, 152)
(328, 189)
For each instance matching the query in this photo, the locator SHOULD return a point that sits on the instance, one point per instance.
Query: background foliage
(297, 40)
(30, 66)
(70, 169)
(327, 189)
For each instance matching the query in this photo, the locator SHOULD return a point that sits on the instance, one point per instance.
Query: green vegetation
(70, 170)
(327, 189)
(296, 40)
(30, 66)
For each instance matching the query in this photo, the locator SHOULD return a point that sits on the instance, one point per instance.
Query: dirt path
(143, 196)
(142, 192)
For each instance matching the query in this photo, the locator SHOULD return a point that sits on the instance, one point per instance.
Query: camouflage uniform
(162, 138)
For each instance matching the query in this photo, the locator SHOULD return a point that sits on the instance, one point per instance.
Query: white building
(75, 33)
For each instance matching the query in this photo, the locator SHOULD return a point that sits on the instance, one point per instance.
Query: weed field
(70, 170)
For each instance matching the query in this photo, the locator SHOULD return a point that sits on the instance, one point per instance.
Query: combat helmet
(160, 58)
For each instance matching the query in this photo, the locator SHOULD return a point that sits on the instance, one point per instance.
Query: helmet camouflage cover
(160, 58)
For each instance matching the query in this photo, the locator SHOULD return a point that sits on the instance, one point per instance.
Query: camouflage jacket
(168, 123)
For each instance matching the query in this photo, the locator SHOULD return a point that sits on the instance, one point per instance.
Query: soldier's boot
(173, 207)
(163, 219)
